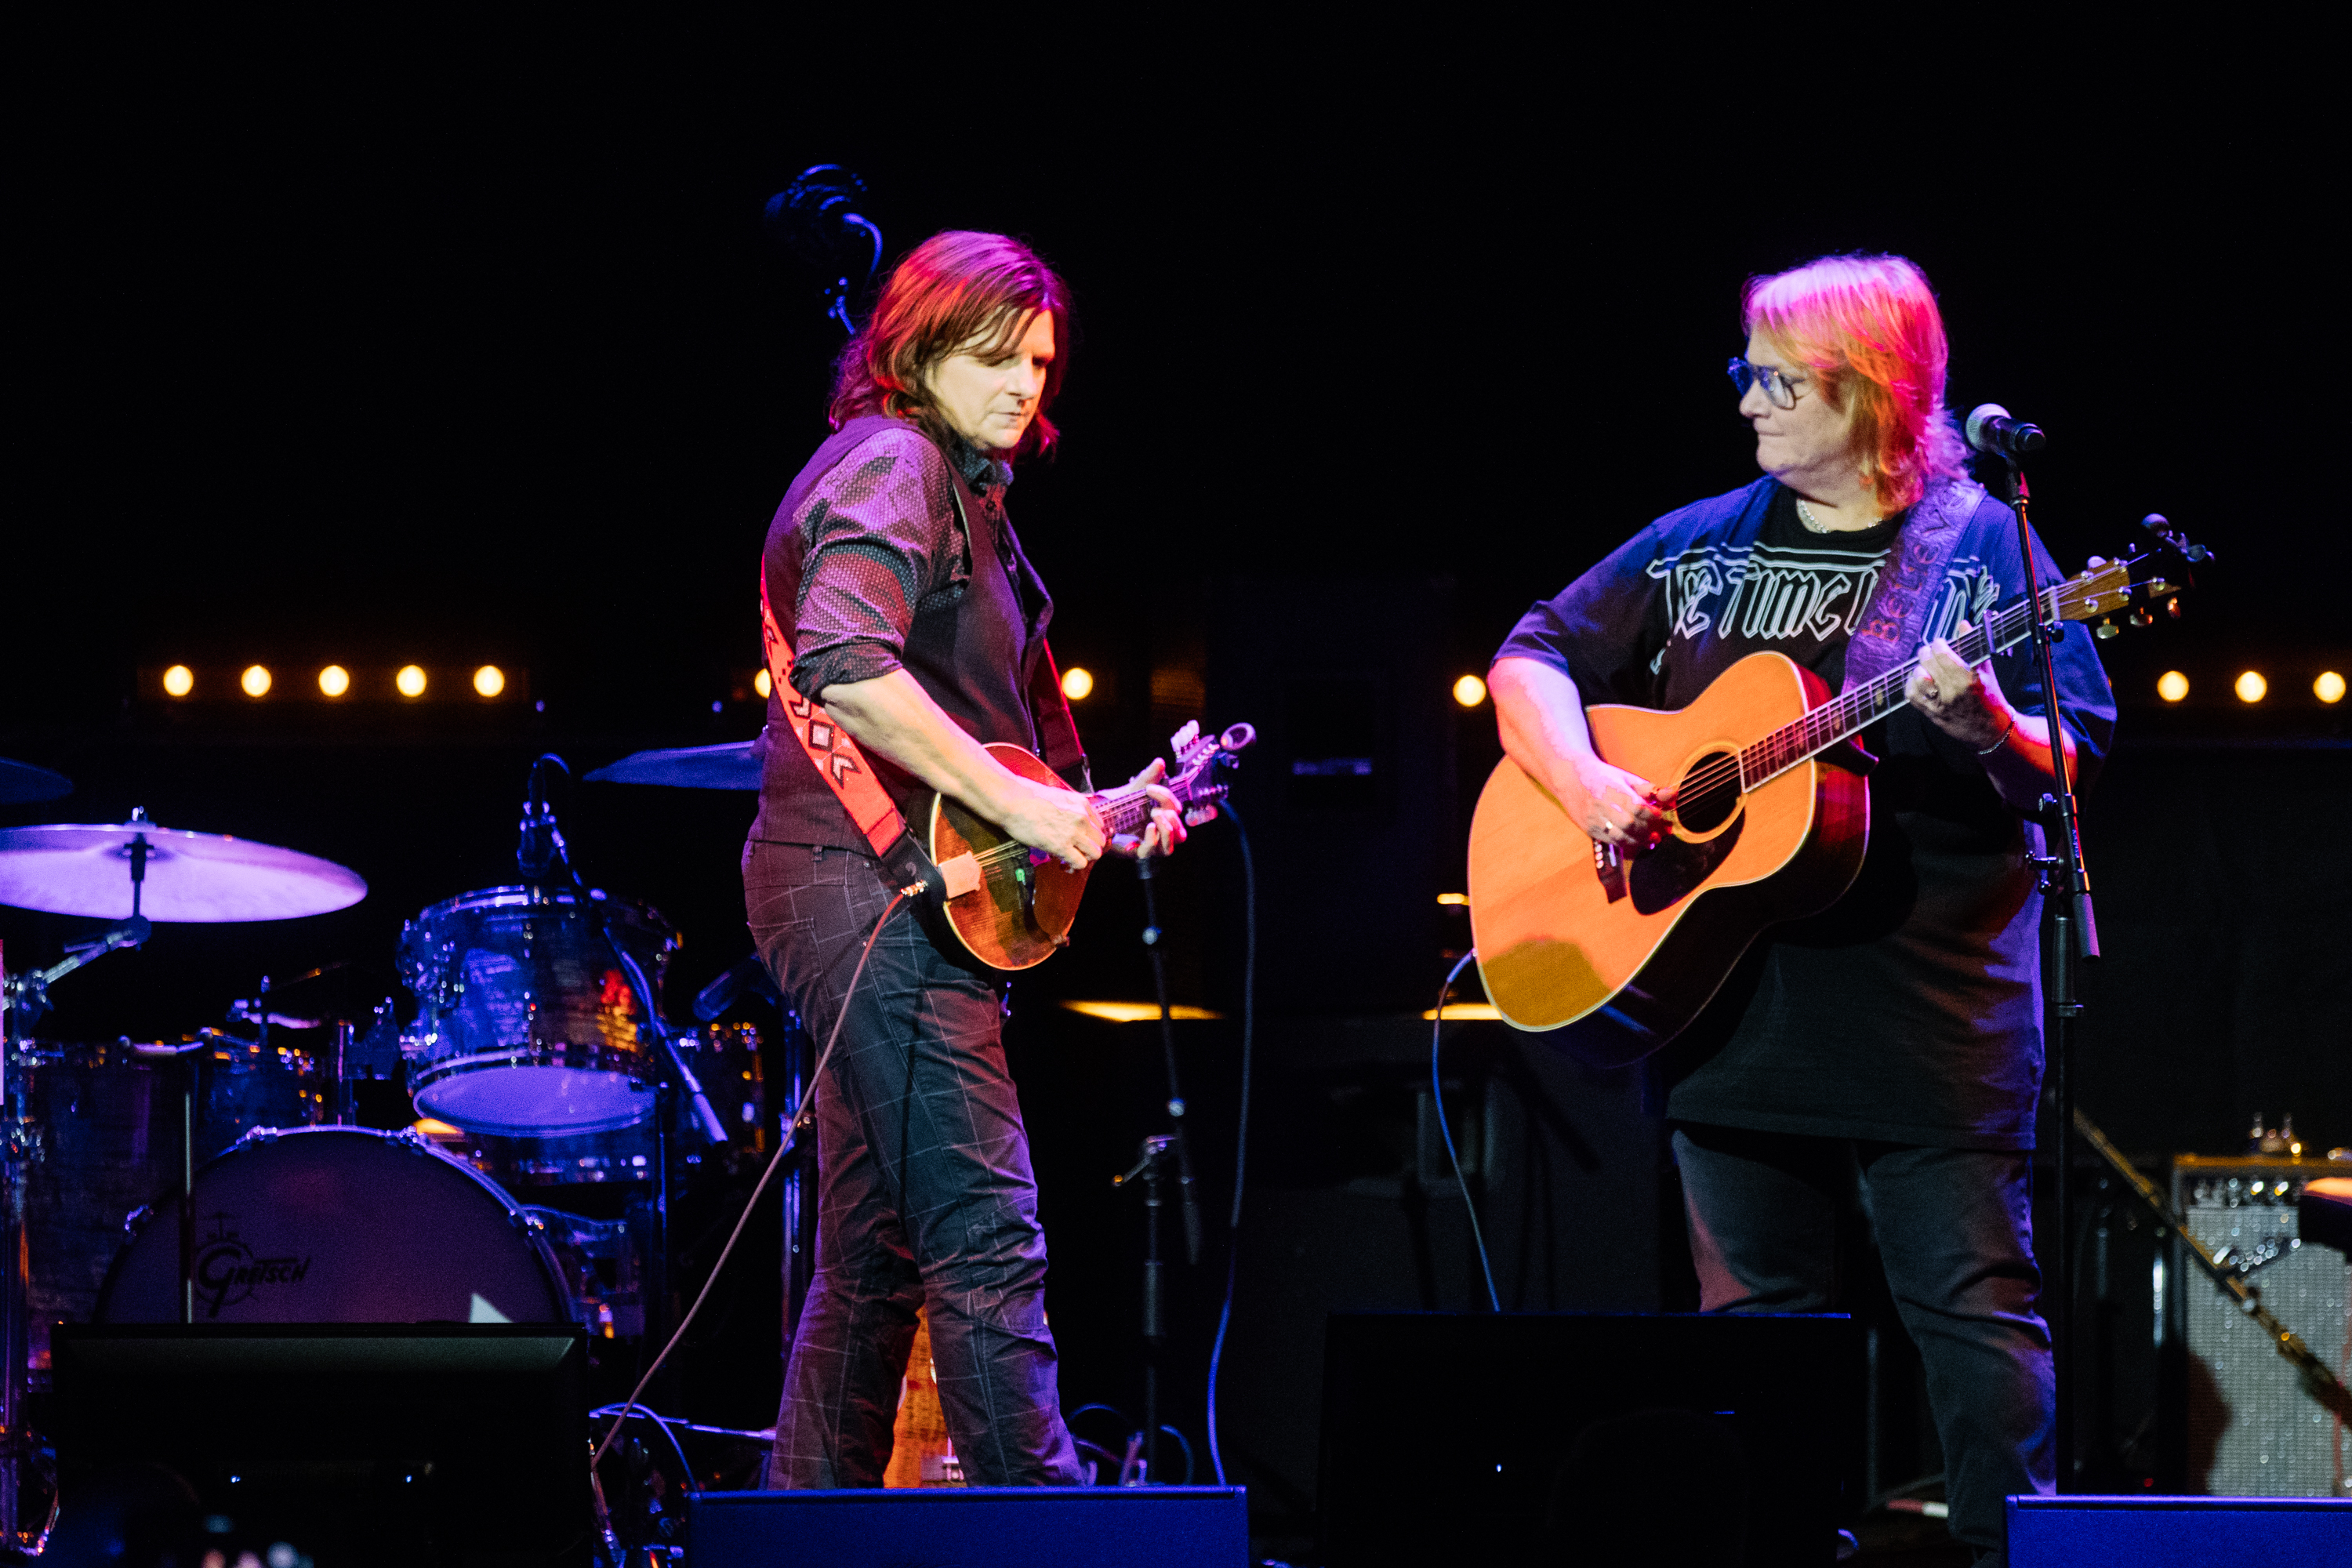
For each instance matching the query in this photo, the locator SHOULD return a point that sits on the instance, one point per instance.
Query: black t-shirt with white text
(1910, 1011)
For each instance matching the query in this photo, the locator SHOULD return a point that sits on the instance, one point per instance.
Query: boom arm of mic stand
(705, 1117)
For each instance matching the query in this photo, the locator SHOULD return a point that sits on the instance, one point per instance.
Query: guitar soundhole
(1709, 793)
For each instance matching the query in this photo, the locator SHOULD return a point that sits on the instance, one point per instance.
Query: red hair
(1868, 328)
(960, 290)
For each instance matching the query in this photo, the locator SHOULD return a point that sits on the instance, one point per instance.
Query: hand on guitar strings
(1617, 807)
(1169, 820)
(1061, 822)
(1965, 704)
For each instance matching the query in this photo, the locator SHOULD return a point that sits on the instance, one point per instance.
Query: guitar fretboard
(1852, 712)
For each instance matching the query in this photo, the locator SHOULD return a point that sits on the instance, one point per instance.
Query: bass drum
(104, 1139)
(341, 1225)
(527, 1024)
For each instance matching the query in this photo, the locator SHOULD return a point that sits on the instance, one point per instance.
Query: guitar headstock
(1194, 758)
(2155, 571)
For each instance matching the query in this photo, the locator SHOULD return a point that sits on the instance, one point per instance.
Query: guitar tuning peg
(2105, 629)
(2143, 617)
(2172, 606)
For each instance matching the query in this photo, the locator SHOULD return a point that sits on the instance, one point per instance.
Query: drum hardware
(81, 869)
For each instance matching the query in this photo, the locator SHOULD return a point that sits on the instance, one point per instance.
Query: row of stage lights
(1078, 683)
(1470, 691)
(2173, 685)
(2252, 686)
(334, 681)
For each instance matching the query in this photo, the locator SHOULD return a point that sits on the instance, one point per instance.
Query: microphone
(540, 844)
(749, 973)
(1991, 431)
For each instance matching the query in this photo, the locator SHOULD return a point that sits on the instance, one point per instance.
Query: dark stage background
(484, 356)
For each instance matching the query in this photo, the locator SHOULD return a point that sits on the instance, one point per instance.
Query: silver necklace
(1805, 515)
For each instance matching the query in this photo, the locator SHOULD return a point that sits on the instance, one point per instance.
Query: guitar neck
(1127, 807)
(1124, 809)
(1849, 713)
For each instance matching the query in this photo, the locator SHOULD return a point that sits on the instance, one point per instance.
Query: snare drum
(342, 1225)
(527, 1024)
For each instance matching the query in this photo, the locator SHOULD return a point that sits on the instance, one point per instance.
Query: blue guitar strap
(1894, 622)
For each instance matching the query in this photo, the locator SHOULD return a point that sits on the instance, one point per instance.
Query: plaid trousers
(924, 1194)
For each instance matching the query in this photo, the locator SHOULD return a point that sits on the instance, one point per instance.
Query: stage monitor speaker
(1530, 1437)
(404, 1443)
(2247, 1426)
(974, 1527)
(2176, 1531)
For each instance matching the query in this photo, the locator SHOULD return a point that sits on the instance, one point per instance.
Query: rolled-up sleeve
(881, 539)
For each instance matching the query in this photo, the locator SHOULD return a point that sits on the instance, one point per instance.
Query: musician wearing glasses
(1887, 1051)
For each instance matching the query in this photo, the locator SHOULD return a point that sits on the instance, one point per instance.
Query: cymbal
(733, 766)
(21, 781)
(85, 869)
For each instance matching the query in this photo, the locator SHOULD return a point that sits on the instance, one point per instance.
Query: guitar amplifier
(2249, 1429)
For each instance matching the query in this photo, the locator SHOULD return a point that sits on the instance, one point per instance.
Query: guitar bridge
(1610, 866)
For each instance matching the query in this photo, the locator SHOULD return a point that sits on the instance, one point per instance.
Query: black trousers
(1953, 1228)
(925, 1195)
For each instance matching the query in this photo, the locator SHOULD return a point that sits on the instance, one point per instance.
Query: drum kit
(223, 1178)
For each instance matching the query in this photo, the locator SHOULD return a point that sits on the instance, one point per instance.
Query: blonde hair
(1868, 328)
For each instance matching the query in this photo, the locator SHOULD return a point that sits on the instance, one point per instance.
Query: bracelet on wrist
(2002, 739)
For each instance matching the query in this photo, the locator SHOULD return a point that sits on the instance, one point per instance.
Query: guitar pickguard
(1664, 876)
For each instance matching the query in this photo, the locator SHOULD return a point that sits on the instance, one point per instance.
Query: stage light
(1137, 1012)
(334, 681)
(1454, 901)
(1469, 692)
(2329, 687)
(489, 680)
(2252, 687)
(255, 680)
(1077, 683)
(764, 683)
(410, 681)
(2173, 685)
(179, 680)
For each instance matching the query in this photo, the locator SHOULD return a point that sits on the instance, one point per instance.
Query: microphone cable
(1438, 1093)
(802, 1117)
(1241, 1136)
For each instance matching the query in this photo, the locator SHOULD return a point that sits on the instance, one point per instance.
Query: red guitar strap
(842, 765)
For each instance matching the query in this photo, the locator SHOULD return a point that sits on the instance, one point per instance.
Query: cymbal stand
(23, 999)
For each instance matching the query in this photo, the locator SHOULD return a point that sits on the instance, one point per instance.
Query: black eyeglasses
(1781, 389)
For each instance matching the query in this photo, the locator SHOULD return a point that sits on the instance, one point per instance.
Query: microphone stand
(541, 851)
(1156, 1151)
(2069, 936)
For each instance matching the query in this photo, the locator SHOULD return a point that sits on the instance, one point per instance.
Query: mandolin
(1012, 906)
(1767, 818)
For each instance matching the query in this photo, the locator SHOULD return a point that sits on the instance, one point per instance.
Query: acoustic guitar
(1012, 906)
(1768, 815)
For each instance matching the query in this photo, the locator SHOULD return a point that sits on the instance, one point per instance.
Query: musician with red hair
(1889, 1048)
(901, 611)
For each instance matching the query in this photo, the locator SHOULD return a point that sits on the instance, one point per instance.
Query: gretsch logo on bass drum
(226, 1271)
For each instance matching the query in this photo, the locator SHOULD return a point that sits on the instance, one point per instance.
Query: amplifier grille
(2251, 1430)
